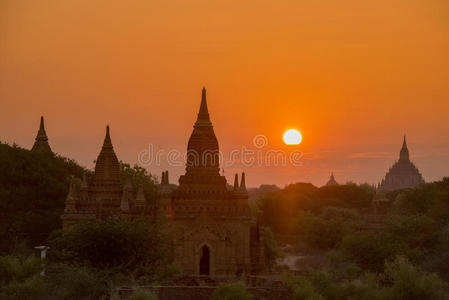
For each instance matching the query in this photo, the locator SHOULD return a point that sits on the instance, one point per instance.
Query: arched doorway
(205, 261)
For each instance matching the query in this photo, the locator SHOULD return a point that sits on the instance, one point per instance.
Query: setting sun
(292, 137)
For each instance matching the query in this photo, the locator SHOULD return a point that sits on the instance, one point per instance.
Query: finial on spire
(203, 114)
(236, 182)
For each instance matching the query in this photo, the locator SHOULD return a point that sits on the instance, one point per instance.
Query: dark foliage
(111, 244)
(280, 209)
(33, 187)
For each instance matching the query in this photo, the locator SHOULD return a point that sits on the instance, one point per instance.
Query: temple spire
(236, 182)
(404, 154)
(107, 139)
(164, 179)
(107, 167)
(41, 142)
(203, 118)
(331, 180)
(243, 183)
(42, 128)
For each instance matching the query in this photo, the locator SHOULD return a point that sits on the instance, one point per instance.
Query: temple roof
(41, 142)
(107, 167)
(202, 167)
(332, 180)
(203, 118)
(403, 174)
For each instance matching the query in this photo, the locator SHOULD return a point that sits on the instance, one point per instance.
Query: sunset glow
(354, 75)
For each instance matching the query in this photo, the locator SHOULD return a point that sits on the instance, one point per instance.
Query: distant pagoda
(403, 174)
(41, 142)
(104, 197)
(331, 180)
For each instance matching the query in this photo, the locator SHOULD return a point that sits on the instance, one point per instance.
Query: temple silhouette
(403, 174)
(41, 142)
(331, 181)
(213, 230)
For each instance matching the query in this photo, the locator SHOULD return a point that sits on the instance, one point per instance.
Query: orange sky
(353, 76)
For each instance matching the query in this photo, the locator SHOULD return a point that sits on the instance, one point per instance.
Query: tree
(139, 176)
(270, 246)
(112, 244)
(33, 187)
(408, 282)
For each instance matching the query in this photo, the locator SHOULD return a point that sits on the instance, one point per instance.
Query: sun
(292, 137)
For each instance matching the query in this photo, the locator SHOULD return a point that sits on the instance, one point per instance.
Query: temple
(331, 180)
(403, 174)
(213, 230)
(104, 196)
(41, 142)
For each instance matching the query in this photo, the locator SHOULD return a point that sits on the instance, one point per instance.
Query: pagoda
(214, 231)
(331, 180)
(402, 175)
(104, 196)
(41, 141)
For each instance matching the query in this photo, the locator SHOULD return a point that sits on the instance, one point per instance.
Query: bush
(410, 283)
(111, 244)
(72, 283)
(301, 288)
(319, 233)
(21, 279)
(270, 246)
(231, 291)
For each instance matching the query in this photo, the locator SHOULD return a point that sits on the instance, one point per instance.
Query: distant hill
(33, 187)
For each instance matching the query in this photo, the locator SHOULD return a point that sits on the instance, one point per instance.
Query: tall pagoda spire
(107, 167)
(202, 167)
(404, 154)
(236, 182)
(203, 118)
(107, 139)
(41, 142)
(243, 183)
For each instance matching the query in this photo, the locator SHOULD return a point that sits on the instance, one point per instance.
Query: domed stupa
(403, 174)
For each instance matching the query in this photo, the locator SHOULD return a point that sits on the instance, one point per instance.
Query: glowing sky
(353, 76)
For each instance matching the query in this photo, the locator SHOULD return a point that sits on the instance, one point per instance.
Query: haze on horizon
(352, 76)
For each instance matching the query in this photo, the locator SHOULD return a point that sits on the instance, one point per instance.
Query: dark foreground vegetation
(404, 255)
(395, 247)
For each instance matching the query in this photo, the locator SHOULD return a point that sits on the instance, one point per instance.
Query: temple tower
(214, 231)
(41, 141)
(331, 180)
(403, 174)
(104, 196)
(202, 167)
